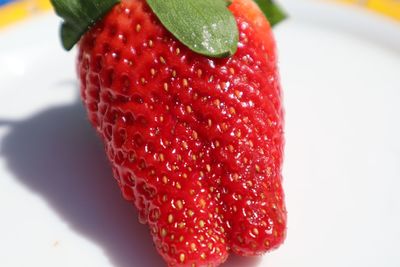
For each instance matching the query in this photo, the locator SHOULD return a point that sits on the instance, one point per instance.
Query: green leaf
(272, 11)
(205, 26)
(79, 16)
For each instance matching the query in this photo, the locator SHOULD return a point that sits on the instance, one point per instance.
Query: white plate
(59, 205)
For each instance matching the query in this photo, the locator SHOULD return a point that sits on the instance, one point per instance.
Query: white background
(59, 205)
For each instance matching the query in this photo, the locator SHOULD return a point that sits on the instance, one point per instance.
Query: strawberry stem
(79, 16)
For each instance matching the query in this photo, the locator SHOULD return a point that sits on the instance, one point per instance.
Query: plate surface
(60, 207)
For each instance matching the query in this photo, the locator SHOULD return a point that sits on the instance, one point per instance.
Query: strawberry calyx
(272, 11)
(206, 27)
(79, 16)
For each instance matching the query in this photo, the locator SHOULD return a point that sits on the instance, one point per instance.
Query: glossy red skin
(195, 143)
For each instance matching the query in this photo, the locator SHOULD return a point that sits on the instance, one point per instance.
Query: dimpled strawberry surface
(196, 143)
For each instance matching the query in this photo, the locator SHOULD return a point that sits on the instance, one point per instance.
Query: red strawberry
(196, 143)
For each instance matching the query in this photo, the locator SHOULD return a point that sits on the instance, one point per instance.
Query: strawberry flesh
(195, 143)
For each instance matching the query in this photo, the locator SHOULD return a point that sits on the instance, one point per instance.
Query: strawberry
(195, 140)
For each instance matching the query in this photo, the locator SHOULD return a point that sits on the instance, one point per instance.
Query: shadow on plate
(57, 154)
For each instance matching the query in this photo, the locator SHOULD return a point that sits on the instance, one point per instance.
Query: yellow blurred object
(18, 10)
(389, 8)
